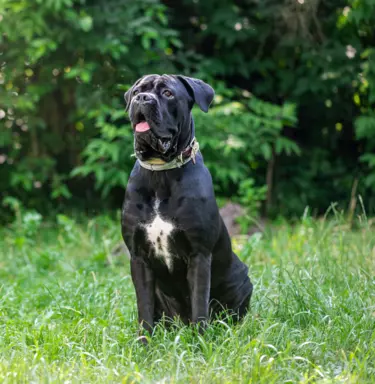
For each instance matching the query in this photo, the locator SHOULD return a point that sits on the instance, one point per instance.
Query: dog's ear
(201, 92)
(128, 93)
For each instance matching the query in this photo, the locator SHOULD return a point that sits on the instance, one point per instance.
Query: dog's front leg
(144, 283)
(199, 280)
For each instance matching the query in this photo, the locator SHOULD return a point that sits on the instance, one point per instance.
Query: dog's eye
(135, 92)
(167, 93)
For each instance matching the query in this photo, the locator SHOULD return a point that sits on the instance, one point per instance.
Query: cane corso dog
(182, 263)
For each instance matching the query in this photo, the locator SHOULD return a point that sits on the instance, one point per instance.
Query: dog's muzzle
(146, 120)
(146, 140)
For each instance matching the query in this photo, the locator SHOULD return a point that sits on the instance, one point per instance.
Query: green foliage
(69, 314)
(362, 16)
(62, 63)
(365, 130)
(236, 136)
(250, 196)
(26, 224)
(307, 131)
(108, 156)
(313, 54)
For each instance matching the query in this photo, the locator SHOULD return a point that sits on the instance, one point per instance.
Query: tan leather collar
(189, 153)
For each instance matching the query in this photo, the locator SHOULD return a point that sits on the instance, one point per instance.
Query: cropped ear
(128, 93)
(201, 92)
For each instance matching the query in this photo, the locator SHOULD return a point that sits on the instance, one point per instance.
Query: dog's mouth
(146, 137)
(159, 145)
(140, 123)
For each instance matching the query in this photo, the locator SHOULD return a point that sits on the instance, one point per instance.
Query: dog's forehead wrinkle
(155, 83)
(164, 81)
(149, 78)
(147, 81)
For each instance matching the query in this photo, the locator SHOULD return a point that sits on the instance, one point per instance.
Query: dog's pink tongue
(142, 127)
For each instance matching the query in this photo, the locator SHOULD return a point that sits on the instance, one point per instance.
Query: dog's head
(160, 112)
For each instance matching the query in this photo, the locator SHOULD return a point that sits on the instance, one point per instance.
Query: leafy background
(292, 125)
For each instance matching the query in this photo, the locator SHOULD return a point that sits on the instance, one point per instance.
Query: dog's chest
(159, 231)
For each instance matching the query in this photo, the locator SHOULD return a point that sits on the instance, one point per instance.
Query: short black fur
(205, 275)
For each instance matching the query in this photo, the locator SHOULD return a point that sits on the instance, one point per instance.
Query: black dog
(182, 263)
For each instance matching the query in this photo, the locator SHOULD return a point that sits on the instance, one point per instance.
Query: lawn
(68, 311)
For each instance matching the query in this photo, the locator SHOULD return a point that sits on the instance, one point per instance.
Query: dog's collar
(189, 153)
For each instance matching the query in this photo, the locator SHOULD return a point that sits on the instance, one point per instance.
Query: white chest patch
(158, 232)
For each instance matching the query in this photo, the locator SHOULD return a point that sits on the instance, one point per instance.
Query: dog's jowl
(182, 263)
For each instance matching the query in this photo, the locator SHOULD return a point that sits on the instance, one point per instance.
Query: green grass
(68, 311)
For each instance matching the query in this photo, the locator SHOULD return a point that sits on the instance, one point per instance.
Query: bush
(307, 133)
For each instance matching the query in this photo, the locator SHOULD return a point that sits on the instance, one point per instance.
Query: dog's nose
(144, 97)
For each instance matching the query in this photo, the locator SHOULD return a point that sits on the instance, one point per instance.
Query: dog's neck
(186, 136)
